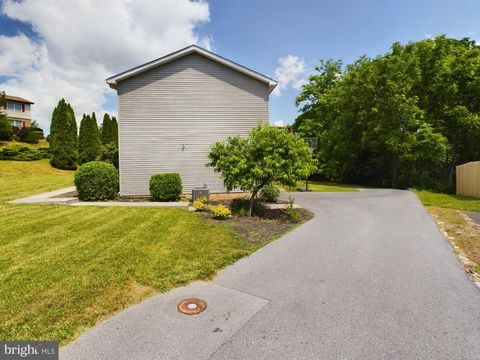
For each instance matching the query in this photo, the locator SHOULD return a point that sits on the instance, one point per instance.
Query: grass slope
(63, 269)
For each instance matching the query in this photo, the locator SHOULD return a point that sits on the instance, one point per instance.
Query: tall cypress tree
(106, 130)
(63, 137)
(82, 134)
(115, 131)
(88, 140)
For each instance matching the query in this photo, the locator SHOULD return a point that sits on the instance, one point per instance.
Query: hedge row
(29, 135)
(23, 152)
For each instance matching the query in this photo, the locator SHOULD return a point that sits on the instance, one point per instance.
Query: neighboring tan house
(171, 110)
(18, 111)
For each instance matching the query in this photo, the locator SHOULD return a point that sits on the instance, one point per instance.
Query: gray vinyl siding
(192, 101)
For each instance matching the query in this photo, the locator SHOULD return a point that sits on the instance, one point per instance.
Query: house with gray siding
(172, 109)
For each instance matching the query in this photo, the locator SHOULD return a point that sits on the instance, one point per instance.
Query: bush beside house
(97, 181)
(165, 187)
(109, 153)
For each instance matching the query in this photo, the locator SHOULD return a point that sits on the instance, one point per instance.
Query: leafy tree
(405, 118)
(63, 137)
(267, 155)
(88, 140)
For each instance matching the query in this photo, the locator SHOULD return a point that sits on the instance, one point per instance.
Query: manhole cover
(191, 306)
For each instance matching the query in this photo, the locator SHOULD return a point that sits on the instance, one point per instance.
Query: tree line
(70, 146)
(405, 118)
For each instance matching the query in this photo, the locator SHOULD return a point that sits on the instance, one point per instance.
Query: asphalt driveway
(370, 277)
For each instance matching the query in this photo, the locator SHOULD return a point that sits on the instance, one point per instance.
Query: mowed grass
(448, 201)
(24, 178)
(63, 269)
(324, 186)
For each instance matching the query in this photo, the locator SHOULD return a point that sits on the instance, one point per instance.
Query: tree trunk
(251, 203)
(394, 172)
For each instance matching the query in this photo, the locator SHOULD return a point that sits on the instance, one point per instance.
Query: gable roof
(18, 98)
(114, 80)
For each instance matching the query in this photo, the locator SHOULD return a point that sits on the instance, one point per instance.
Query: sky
(51, 49)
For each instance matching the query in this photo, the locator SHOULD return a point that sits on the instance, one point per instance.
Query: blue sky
(253, 33)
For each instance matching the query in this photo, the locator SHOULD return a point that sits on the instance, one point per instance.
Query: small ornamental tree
(63, 137)
(88, 139)
(267, 155)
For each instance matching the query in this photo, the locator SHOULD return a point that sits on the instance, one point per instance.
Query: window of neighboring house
(14, 106)
(17, 123)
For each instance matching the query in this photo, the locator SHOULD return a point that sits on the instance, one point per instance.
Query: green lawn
(63, 269)
(324, 186)
(448, 201)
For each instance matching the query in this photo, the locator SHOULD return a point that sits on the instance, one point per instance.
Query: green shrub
(20, 152)
(270, 194)
(240, 206)
(6, 130)
(201, 204)
(109, 153)
(29, 135)
(220, 212)
(96, 181)
(165, 187)
(292, 213)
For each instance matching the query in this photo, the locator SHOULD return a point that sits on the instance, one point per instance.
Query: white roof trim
(114, 80)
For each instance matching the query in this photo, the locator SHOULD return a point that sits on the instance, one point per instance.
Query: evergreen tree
(115, 130)
(88, 140)
(6, 131)
(106, 130)
(63, 137)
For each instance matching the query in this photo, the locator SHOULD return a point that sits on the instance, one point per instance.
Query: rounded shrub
(220, 212)
(165, 187)
(96, 181)
(270, 194)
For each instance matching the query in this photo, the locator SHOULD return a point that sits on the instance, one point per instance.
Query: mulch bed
(258, 230)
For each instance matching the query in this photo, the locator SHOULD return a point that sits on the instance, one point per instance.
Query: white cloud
(83, 42)
(291, 72)
(279, 123)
